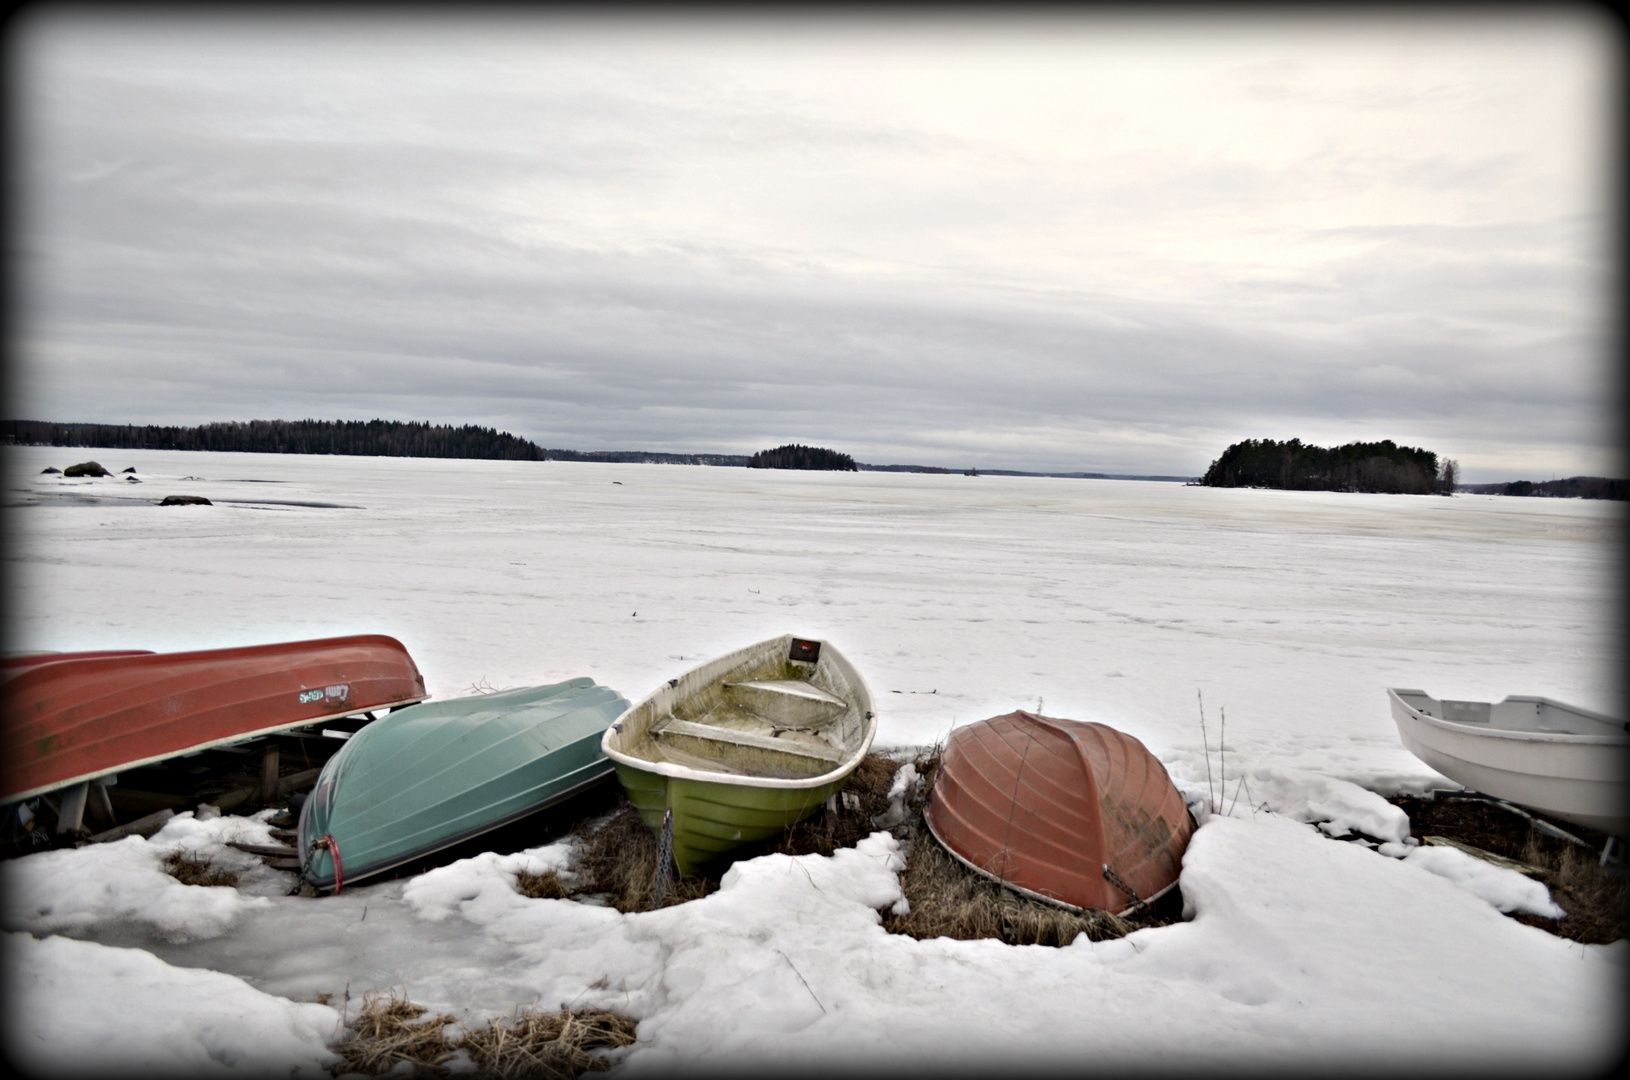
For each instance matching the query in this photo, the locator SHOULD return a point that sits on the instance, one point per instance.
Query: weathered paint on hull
(68, 718)
(713, 818)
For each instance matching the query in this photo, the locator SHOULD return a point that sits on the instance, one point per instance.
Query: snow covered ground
(959, 597)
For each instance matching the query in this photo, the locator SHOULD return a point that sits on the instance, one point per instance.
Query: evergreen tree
(796, 456)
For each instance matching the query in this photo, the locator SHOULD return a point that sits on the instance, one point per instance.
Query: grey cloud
(303, 238)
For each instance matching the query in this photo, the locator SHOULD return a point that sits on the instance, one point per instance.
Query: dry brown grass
(389, 1030)
(1598, 905)
(189, 869)
(544, 886)
(865, 795)
(547, 1044)
(949, 900)
(617, 859)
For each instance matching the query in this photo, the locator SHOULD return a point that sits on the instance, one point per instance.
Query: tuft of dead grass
(189, 869)
(617, 859)
(1598, 904)
(534, 1043)
(389, 1030)
(544, 886)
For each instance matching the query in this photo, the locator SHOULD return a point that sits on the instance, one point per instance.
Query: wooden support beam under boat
(71, 818)
(103, 806)
(237, 797)
(277, 851)
(145, 826)
(269, 765)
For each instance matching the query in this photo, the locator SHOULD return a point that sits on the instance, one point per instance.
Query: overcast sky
(1096, 242)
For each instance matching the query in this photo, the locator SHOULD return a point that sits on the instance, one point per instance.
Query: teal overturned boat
(436, 774)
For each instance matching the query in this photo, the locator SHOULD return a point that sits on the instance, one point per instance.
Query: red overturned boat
(1074, 813)
(68, 718)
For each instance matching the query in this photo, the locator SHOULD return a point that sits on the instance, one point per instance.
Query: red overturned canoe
(70, 717)
(1074, 813)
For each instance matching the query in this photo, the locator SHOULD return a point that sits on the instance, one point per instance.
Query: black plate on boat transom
(805, 650)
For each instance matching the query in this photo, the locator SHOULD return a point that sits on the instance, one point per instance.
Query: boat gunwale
(865, 702)
(1513, 734)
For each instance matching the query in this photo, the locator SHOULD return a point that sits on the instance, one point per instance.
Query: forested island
(378, 438)
(795, 456)
(1359, 466)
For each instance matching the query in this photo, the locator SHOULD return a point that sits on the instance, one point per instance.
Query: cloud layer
(1088, 244)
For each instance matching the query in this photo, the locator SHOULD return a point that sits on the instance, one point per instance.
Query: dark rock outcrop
(50, 469)
(185, 500)
(85, 468)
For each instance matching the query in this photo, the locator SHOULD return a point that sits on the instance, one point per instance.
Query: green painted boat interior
(743, 747)
(435, 774)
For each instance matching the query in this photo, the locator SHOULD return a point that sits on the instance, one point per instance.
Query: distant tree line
(1574, 487)
(384, 438)
(1376, 466)
(646, 457)
(795, 456)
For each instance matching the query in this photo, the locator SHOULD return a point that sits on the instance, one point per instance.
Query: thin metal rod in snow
(1222, 757)
(1205, 746)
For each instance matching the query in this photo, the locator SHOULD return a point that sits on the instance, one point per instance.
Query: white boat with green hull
(744, 746)
(1558, 759)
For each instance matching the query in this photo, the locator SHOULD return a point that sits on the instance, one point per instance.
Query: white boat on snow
(1556, 759)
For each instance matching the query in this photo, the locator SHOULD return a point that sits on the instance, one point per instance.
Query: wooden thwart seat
(746, 738)
(787, 702)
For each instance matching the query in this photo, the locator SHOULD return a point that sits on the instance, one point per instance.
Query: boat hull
(715, 817)
(434, 775)
(81, 718)
(1581, 778)
(1043, 805)
(763, 790)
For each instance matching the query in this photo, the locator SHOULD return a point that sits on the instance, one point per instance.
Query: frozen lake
(958, 597)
